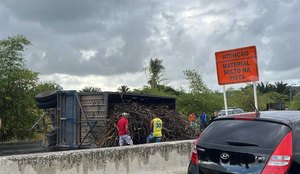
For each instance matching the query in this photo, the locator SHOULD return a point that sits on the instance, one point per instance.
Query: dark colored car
(250, 143)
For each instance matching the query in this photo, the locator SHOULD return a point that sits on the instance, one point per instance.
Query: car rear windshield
(261, 133)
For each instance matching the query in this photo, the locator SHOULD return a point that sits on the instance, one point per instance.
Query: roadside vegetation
(19, 85)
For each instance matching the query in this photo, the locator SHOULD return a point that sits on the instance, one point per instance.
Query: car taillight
(194, 158)
(281, 158)
(245, 116)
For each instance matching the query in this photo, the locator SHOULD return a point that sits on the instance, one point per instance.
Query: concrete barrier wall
(164, 158)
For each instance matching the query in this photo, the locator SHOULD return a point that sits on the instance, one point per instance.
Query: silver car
(230, 111)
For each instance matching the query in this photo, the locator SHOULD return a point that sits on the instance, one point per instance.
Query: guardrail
(158, 158)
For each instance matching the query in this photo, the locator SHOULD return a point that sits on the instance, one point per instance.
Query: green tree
(124, 89)
(90, 89)
(149, 91)
(282, 88)
(161, 90)
(16, 84)
(46, 86)
(242, 98)
(295, 104)
(169, 90)
(154, 72)
(196, 83)
(187, 103)
(279, 87)
(265, 87)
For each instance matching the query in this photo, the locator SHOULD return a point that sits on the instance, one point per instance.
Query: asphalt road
(18, 148)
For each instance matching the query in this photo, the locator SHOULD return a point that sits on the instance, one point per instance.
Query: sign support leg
(225, 100)
(255, 96)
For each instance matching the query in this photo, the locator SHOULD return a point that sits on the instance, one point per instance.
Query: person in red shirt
(123, 130)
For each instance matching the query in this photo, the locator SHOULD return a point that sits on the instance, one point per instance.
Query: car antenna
(256, 110)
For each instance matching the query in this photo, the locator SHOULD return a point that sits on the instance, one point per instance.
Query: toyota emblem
(224, 156)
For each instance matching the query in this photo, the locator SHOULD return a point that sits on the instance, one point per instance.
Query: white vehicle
(230, 111)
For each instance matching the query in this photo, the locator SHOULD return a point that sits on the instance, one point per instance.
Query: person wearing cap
(123, 130)
(156, 130)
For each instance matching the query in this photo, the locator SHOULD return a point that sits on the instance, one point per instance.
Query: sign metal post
(225, 100)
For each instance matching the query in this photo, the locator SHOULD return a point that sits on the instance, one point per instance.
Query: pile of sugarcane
(174, 126)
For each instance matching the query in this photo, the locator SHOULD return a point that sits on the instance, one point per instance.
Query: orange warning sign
(237, 65)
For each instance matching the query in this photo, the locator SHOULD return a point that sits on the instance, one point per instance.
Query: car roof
(285, 116)
(231, 109)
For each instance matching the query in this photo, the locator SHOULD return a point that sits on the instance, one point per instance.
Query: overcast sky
(108, 43)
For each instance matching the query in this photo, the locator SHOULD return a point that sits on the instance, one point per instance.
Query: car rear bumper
(193, 169)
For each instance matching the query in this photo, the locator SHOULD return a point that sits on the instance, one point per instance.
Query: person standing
(156, 129)
(123, 130)
(191, 119)
(214, 116)
(203, 121)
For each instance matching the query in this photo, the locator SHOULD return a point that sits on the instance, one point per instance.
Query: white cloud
(114, 47)
(86, 55)
(108, 43)
(106, 83)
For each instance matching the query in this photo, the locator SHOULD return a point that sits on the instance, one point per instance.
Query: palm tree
(265, 88)
(282, 88)
(124, 89)
(90, 89)
(154, 72)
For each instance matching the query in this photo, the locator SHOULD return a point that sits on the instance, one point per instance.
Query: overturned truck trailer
(78, 119)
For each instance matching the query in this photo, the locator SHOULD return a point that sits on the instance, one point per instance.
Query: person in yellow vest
(156, 128)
